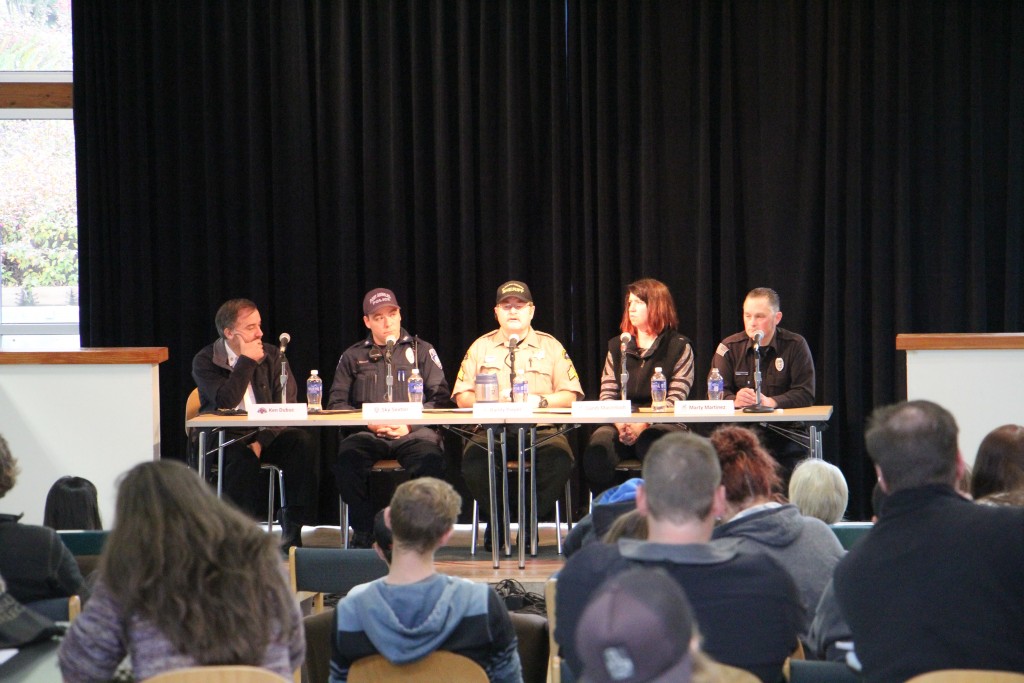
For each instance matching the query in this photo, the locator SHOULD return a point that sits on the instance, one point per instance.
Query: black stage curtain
(865, 159)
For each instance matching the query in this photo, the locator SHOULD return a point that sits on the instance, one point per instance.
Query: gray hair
(819, 489)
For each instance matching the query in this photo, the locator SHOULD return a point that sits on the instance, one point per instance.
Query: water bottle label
(520, 391)
(416, 389)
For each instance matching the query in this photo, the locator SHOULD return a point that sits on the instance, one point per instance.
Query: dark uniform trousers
(418, 452)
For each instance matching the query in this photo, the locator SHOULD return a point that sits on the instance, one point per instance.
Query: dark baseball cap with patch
(377, 299)
(637, 629)
(514, 288)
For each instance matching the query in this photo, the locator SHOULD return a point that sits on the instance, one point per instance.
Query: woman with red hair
(757, 516)
(649, 319)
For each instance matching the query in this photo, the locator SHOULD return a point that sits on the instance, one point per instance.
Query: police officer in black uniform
(362, 377)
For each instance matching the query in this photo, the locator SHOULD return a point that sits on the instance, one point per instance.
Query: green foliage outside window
(35, 35)
(38, 214)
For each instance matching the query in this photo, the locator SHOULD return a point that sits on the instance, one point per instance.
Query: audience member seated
(640, 627)
(999, 467)
(415, 610)
(608, 507)
(830, 637)
(804, 546)
(818, 488)
(33, 560)
(629, 525)
(185, 580)
(936, 583)
(72, 504)
(747, 604)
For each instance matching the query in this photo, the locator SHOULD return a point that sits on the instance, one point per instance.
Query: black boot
(291, 527)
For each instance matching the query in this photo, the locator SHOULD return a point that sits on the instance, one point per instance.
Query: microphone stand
(389, 392)
(284, 376)
(512, 365)
(623, 373)
(757, 407)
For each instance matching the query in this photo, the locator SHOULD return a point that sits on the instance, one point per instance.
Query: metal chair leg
(476, 526)
(274, 472)
(568, 515)
(270, 504)
(343, 510)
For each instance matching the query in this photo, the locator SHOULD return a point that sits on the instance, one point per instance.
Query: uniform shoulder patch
(434, 357)
(721, 350)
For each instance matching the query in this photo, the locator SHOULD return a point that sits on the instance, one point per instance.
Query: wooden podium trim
(955, 342)
(129, 355)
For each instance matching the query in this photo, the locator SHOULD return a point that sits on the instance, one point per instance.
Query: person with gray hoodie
(804, 546)
(415, 610)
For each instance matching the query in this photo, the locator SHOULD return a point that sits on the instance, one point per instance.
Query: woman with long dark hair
(184, 580)
(649, 318)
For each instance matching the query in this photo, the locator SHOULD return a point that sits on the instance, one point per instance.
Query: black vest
(666, 350)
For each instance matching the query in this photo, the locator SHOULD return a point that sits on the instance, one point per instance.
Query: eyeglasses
(514, 307)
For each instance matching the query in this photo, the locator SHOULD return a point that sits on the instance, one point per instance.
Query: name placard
(705, 408)
(277, 411)
(500, 411)
(404, 410)
(602, 408)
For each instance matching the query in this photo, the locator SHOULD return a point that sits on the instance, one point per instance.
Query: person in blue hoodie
(415, 610)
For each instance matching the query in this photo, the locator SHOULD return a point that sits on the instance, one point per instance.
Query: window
(38, 207)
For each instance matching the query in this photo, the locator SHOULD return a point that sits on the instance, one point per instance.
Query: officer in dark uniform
(787, 369)
(362, 377)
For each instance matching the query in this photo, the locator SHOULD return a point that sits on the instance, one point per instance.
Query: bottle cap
(314, 371)
(657, 369)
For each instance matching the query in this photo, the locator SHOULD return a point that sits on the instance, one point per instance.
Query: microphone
(758, 336)
(513, 341)
(285, 338)
(624, 340)
(391, 345)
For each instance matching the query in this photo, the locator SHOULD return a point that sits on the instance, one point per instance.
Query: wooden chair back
(437, 666)
(968, 676)
(554, 660)
(217, 674)
(191, 407)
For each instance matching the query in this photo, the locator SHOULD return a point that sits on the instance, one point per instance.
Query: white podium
(977, 377)
(90, 413)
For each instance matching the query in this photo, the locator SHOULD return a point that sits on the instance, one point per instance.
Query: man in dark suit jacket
(234, 372)
(936, 584)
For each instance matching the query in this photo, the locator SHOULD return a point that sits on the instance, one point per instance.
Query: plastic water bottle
(716, 385)
(659, 391)
(520, 389)
(314, 392)
(415, 387)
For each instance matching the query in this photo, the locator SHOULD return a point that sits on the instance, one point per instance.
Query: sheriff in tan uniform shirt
(539, 356)
(552, 380)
